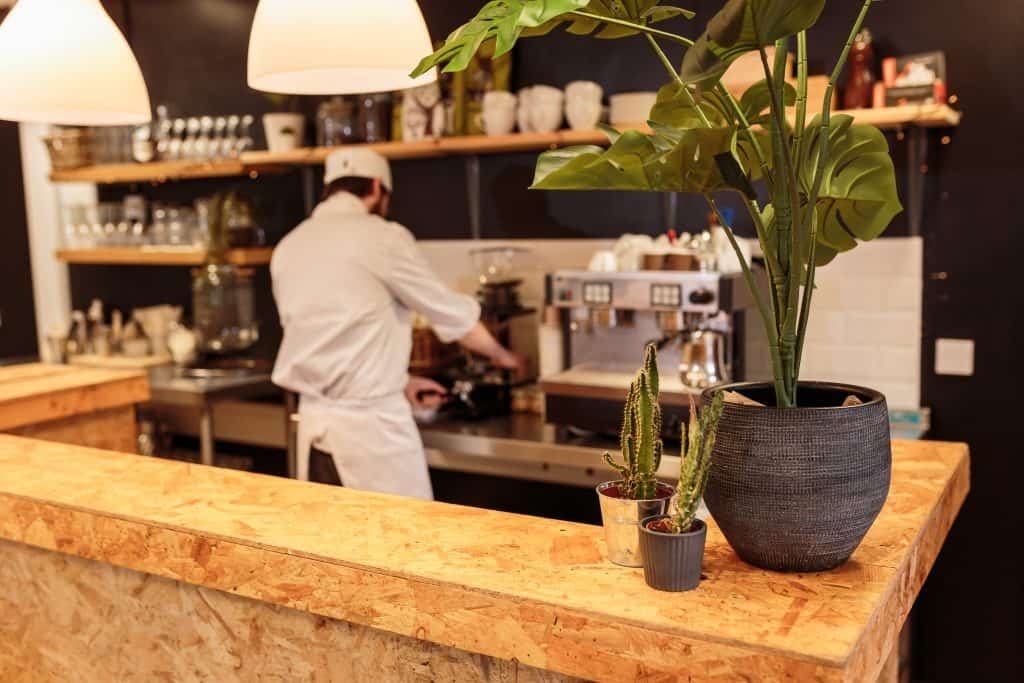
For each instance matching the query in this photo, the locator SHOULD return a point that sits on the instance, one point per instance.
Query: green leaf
(506, 21)
(757, 100)
(676, 161)
(858, 197)
(675, 109)
(742, 26)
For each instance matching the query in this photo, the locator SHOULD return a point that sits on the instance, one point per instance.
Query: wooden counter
(118, 566)
(77, 405)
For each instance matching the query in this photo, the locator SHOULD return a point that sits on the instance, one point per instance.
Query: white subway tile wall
(865, 326)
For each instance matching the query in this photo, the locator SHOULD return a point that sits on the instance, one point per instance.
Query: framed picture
(915, 79)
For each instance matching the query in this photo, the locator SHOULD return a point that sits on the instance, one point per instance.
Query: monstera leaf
(756, 102)
(742, 26)
(858, 197)
(505, 21)
(669, 160)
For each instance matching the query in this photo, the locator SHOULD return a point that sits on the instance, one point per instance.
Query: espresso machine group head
(606, 319)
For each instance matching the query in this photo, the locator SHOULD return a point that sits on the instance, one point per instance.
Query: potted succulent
(672, 545)
(822, 468)
(637, 494)
(285, 129)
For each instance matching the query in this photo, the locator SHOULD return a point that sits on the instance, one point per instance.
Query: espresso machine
(605, 320)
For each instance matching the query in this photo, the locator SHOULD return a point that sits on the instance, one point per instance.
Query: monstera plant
(830, 181)
(800, 469)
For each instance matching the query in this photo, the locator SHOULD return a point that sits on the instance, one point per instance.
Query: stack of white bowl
(498, 112)
(540, 109)
(583, 104)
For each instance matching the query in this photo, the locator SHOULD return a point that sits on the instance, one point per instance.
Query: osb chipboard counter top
(34, 393)
(507, 586)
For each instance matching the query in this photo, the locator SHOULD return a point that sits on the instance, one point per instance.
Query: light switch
(954, 357)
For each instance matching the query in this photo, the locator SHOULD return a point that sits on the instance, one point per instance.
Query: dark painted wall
(17, 313)
(193, 56)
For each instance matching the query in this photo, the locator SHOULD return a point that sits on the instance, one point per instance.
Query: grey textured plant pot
(796, 490)
(672, 561)
(621, 518)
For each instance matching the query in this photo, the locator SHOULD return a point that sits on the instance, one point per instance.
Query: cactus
(698, 442)
(641, 433)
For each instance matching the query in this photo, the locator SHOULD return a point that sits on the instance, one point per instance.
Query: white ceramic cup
(546, 94)
(583, 114)
(499, 99)
(585, 90)
(632, 107)
(545, 117)
(498, 120)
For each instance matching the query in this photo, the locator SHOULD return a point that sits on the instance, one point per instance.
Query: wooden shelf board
(160, 256)
(253, 163)
(159, 171)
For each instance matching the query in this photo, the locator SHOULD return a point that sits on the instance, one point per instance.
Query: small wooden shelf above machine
(160, 256)
(254, 163)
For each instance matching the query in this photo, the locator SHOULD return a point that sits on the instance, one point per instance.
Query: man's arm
(479, 340)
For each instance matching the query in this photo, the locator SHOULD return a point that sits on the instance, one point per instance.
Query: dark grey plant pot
(672, 561)
(796, 490)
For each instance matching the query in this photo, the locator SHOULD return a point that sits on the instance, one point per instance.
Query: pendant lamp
(337, 47)
(66, 62)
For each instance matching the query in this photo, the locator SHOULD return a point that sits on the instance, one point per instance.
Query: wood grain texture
(34, 393)
(161, 256)
(114, 624)
(510, 587)
(113, 429)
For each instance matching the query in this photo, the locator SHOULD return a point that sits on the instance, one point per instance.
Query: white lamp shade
(337, 47)
(66, 62)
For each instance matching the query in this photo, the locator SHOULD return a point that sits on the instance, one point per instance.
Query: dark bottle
(861, 81)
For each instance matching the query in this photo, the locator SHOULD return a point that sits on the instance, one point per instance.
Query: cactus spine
(698, 442)
(641, 433)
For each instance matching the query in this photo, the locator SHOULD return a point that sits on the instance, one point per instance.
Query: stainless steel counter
(522, 446)
(169, 387)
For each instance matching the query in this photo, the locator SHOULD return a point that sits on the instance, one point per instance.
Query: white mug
(583, 115)
(498, 121)
(546, 94)
(545, 117)
(585, 90)
(500, 99)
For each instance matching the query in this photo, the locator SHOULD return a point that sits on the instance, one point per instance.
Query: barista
(346, 282)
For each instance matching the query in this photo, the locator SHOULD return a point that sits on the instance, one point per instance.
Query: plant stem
(665, 61)
(819, 174)
(641, 28)
(766, 317)
(801, 92)
(826, 112)
(742, 118)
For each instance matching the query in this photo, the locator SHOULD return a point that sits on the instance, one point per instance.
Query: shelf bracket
(917, 172)
(473, 194)
(308, 183)
(671, 210)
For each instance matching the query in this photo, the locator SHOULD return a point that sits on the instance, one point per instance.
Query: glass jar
(375, 117)
(336, 122)
(222, 301)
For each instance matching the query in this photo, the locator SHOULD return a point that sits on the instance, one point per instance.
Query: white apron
(374, 443)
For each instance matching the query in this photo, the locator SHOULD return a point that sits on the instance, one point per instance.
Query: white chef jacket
(346, 283)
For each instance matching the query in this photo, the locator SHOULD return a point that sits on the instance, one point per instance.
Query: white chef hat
(357, 162)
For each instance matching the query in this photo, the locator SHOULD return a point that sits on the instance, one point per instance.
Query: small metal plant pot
(621, 518)
(672, 561)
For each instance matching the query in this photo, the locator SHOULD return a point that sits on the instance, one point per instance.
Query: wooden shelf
(254, 163)
(160, 256)
(156, 172)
